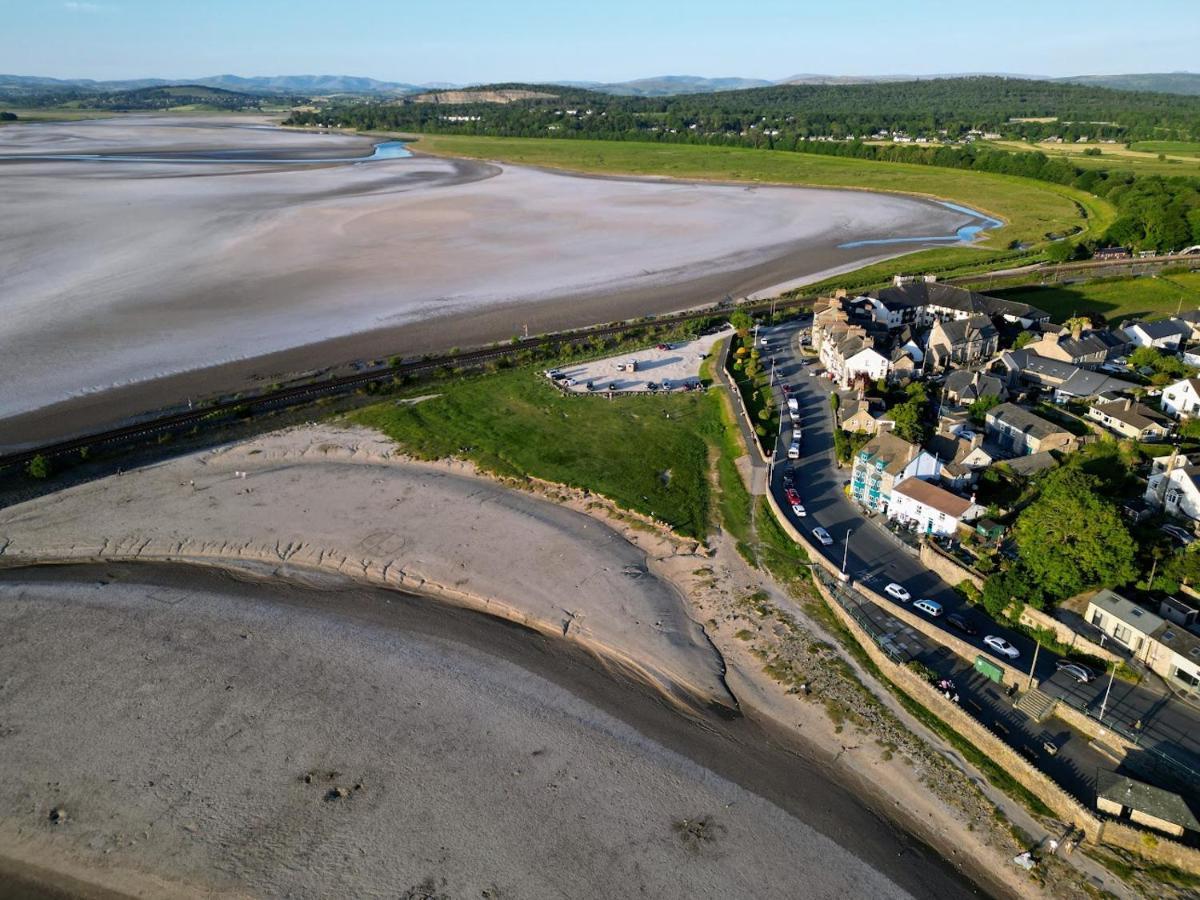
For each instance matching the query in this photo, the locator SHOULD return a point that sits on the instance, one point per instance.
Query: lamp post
(1104, 703)
(1033, 665)
(846, 553)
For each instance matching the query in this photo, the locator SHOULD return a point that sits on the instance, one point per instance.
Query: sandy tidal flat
(120, 272)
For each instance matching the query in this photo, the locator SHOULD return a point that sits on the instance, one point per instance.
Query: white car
(1001, 647)
(823, 536)
(794, 450)
(899, 593)
(799, 510)
(762, 342)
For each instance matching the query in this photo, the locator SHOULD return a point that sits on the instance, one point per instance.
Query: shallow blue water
(967, 233)
(384, 150)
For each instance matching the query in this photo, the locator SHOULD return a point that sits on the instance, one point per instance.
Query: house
(1131, 419)
(1177, 658)
(929, 508)
(1028, 466)
(1102, 253)
(1021, 432)
(964, 387)
(1163, 334)
(849, 345)
(961, 458)
(1124, 798)
(961, 342)
(1182, 398)
(923, 302)
(883, 462)
(856, 416)
(1062, 379)
(1192, 319)
(1072, 347)
(1174, 485)
(1125, 622)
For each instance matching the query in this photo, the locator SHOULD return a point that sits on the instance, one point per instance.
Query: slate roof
(1160, 328)
(894, 451)
(927, 293)
(969, 386)
(1132, 413)
(959, 331)
(1023, 421)
(1032, 464)
(1146, 798)
(1066, 377)
(1127, 611)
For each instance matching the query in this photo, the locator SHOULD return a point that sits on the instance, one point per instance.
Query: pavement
(872, 555)
(677, 364)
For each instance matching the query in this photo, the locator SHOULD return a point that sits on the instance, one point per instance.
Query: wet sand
(174, 715)
(191, 279)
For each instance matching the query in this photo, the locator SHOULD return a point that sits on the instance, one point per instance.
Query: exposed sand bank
(175, 715)
(127, 272)
(336, 500)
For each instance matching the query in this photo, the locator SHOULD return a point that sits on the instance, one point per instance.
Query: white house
(931, 509)
(1173, 485)
(867, 362)
(1182, 398)
(1164, 334)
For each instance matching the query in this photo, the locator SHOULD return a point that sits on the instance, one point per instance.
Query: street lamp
(846, 553)
(1104, 704)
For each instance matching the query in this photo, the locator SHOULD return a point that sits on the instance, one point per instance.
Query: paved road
(876, 557)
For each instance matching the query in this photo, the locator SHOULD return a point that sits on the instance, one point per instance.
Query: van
(793, 405)
(796, 433)
(794, 450)
(931, 607)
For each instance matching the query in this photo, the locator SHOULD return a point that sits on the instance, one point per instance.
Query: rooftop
(1032, 464)
(929, 494)
(1179, 639)
(1160, 328)
(1132, 413)
(895, 452)
(932, 293)
(1021, 419)
(1127, 611)
(1147, 798)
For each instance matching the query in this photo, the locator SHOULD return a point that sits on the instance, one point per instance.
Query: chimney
(912, 453)
(1128, 404)
(976, 443)
(1076, 329)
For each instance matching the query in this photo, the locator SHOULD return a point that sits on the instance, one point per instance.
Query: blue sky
(536, 40)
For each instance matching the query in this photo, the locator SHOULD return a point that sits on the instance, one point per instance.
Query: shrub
(38, 467)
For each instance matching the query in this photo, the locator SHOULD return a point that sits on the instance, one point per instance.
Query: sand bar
(122, 273)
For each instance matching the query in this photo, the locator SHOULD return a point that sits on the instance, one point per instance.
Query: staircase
(1036, 705)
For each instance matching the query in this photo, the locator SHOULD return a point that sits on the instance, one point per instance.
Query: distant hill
(489, 95)
(1162, 82)
(169, 97)
(666, 85)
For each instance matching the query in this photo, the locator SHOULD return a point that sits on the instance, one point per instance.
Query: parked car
(823, 536)
(554, 374)
(652, 385)
(763, 342)
(1080, 673)
(1179, 534)
(663, 347)
(789, 478)
(590, 386)
(797, 434)
(792, 496)
(794, 450)
(793, 405)
(898, 592)
(787, 390)
(1001, 647)
(961, 623)
(799, 510)
(930, 607)
(571, 382)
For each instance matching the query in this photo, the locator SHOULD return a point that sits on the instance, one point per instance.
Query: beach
(133, 285)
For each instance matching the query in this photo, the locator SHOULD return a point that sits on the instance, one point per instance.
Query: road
(876, 557)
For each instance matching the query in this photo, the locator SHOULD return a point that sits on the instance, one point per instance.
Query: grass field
(1115, 299)
(1117, 158)
(1171, 148)
(647, 453)
(1030, 208)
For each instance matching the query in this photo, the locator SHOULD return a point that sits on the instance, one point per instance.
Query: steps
(1036, 704)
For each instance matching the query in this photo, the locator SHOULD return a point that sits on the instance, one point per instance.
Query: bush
(38, 467)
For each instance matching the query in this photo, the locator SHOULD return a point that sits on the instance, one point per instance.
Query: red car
(787, 390)
(792, 497)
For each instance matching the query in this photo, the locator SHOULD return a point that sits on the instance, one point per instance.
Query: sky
(614, 40)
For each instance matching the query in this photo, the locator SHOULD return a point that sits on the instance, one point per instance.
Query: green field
(647, 453)
(1116, 158)
(1031, 209)
(1115, 299)
(1171, 148)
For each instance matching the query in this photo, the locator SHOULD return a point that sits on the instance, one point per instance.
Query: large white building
(929, 508)
(1182, 398)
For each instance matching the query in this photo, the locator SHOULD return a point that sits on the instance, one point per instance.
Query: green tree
(38, 467)
(979, 409)
(907, 417)
(1060, 251)
(1072, 537)
(1024, 338)
(742, 321)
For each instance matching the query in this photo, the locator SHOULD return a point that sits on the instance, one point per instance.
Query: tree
(1072, 537)
(741, 321)
(1024, 338)
(1060, 251)
(38, 467)
(980, 407)
(907, 417)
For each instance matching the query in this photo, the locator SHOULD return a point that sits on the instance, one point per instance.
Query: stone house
(1021, 432)
(1131, 419)
(884, 462)
(961, 342)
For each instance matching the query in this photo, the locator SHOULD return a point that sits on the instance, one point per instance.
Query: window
(1122, 634)
(1188, 678)
(1098, 618)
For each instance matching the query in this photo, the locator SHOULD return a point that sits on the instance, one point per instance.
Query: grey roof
(1127, 611)
(1086, 383)
(1192, 315)
(1032, 464)
(1179, 638)
(1087, 345)
(894, 451)
(1138, 415)
(1147, 798)
(969, 386)
(959, 331)
(1066, 377)
(1161, 328)
(927, 293)
(1020, 419)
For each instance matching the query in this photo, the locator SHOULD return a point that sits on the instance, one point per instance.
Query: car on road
(794, 450)
(930, 607)
(799, 510)
(1001, 647)
(1179, 534)
(897, 592)
(792, 495)
(823, 536)
(789, 478)
(797, 434)
(762, 342)
(1080, 673)
(961, 623)
(787, 390)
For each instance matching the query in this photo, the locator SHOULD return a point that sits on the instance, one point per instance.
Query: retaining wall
(947, 567)
(1035, 618)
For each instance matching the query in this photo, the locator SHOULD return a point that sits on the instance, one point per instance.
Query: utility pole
(1104, 704)
(1033, 665)
(846, 553)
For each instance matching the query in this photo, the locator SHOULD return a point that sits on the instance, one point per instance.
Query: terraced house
(885, 461)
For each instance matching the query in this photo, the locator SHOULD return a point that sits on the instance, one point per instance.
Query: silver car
(823, 536)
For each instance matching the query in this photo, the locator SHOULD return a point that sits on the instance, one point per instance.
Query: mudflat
(125, 273)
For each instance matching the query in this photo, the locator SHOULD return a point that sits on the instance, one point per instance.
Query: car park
(1080, 673)
(823, 536)
(897, 592)
(961, 623)
(929, 607)
(794, 450)
(1001, 647)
